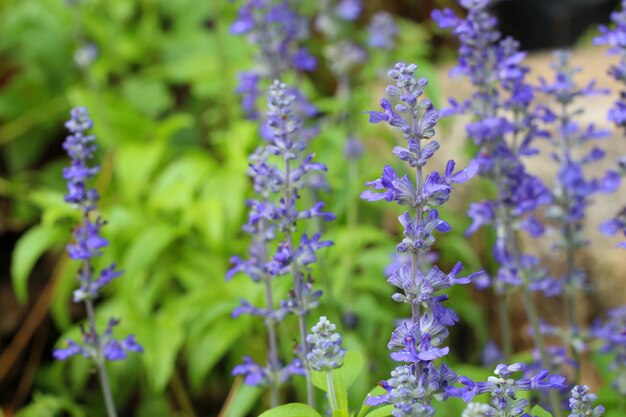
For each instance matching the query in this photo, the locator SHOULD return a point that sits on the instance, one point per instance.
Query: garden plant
(195, 198)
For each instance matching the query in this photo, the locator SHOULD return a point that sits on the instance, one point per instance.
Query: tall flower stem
(505, 327)
(570, 301)
(270, 323)
(533, 317)
(298, 290)
(415, 308)
(99, 359)
(332, 396)
(568, 236)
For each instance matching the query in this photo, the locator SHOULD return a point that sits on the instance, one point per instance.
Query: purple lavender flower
(503, 388)
(614, 38)
(612, 333)
(581, 403)
(616, 225)
(279, 33)
(280, 171)
(573, 191)
(88, 244)
(326, 352)
(404, 392)
(505, 126)
(382, 31)
(417, 342)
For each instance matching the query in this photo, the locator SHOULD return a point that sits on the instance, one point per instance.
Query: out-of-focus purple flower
(491, 354)
(382, 31)
(349, 9)
(257, 375)
(86, 55)
(343, 56)
(353, 148)
(612, 333)
(248, 89)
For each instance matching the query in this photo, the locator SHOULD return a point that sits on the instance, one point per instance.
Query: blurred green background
(159, 77)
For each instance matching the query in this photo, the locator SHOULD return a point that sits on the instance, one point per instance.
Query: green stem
(298, 287)
(505, 328)
(272, 346)
(332, 395)
(533, 317)
(99, 359)
(570, 301)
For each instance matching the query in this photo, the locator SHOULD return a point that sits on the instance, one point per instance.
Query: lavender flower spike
(88, 244)
(503, 388)
(581, 403)
(326, 352)
(614, 38)
(280, 171)
(417, 342)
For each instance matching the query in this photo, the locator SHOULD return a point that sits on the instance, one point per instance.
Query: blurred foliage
(174, 148)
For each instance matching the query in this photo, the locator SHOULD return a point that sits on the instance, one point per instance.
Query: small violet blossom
(88, 244)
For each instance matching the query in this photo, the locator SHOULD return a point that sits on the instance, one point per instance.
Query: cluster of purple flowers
(417, 342)
(343, 53)
(503, 389)
(326, 352)
(504, 127)
(382, 31)
(572, 191)
(278, 31)
(615, 38)
(612, 333)
(88, 244)
(279, 171)
(581, 403)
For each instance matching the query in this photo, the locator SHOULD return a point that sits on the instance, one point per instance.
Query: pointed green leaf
(291, 410)
(352, 367)
(383, 411)
(28, 250)
(538, 411)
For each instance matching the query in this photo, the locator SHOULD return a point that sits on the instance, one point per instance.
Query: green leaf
(29, 248)
(383, 411)
(144, 253)
(538, 411)
(50, 406)
(243, 400)
(148, 96)
(161, 338)
(135, 164)
(205, 353)
(291, 410)
(352, 367)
